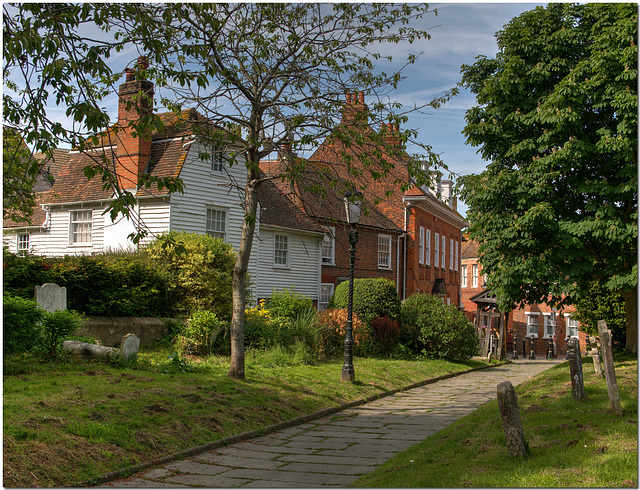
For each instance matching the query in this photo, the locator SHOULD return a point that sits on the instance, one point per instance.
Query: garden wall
(110, 330)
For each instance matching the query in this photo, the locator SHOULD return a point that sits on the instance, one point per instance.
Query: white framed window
(463, 276)
(22, 244)
(217, 160)
(450, 254)
(456, 260)
(532, 323)
(281, 251)
(573, 327)
(436, 251)
(326, 291)
(474, 276)
(216, 225)
(427, 248)
(421, 247)
(443, 252)
(80, 227)
(549, 325)
(328, 247)
(384, 252)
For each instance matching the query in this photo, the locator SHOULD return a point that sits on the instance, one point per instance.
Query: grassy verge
(74, 420)
(572, 444)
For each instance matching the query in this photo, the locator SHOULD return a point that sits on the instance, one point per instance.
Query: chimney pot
(143, 62)
(361, 95)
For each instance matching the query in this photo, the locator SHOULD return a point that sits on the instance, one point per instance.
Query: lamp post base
(348, 374)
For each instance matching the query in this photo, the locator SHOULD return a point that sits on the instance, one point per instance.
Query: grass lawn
(73, 420)
(571, 444)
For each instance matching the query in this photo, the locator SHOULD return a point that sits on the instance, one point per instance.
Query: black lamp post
(353, 209)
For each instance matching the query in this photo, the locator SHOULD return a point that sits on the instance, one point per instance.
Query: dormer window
(217, 160)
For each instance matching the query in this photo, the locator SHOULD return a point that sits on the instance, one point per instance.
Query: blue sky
(465, 30)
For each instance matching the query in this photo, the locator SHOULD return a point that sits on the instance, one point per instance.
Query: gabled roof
(470, 250)
(278, 210)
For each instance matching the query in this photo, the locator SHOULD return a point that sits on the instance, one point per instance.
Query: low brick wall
(110, 330)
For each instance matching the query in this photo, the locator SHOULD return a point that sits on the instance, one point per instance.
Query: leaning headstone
(129, 347)
(51, 297)
(609, 368)
(595, 354)
(511, 422)
(575, 369)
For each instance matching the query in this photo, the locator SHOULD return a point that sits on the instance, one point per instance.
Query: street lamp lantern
(353, 210)
(353, 206)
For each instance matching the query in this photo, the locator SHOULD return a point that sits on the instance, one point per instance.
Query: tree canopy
(265, 77)
(556, 117)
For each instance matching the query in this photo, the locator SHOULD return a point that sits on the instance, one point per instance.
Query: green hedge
(372, 298)
(445, 331)
(156, 281)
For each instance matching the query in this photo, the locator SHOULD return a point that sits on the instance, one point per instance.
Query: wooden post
(479, 328)
(502, 338)
(595, 354)
(575, 368)
(511, 422)
(609, 368)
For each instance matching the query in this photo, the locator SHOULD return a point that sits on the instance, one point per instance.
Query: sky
(462, 31)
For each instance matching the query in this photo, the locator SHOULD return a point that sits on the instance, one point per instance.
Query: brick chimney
(134, 151)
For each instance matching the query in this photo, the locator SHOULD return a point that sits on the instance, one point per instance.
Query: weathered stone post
(595, 355)
(575, 368)
(609, 368)
(511, 422)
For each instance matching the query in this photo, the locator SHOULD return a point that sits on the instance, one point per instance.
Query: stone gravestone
(51, 297)
(129, 347)
(575, 368)
(609, 368)
(595, 354)
(510, 415)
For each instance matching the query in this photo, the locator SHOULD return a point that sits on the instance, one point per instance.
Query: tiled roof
(279, 210)
(469, 249)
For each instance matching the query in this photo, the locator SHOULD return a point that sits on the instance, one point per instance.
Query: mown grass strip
(571, 444)
(72, 421)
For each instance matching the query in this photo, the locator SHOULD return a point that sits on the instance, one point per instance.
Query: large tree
(556, 118)
(263, 78)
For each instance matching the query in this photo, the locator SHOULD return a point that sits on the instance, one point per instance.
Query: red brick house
(410, 237)
(538, 323)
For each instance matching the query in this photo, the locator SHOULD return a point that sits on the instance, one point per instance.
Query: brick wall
(421, 277)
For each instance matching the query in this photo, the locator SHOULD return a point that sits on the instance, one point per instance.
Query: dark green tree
(599, 303)
(19, 174)
(556, 118)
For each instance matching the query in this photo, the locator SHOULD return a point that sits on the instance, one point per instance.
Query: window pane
(428, 248)
(463, 276)
(384, 251)
(327, 248)
(81, 226)
(281, 250)
(217, 223)
(23, 244)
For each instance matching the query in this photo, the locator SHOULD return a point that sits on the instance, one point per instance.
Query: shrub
(200, 333)
(57, 326)
(200, 278)
(302, 329)
(331, 332)
(259, 327)
(22, 274)
(21, 324)
(371, 298)
(289, 303)
(385, 333)
(445, 331)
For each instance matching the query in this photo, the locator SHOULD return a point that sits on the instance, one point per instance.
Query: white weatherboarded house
(70, 218)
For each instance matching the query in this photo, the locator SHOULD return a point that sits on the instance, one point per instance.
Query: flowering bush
(331, 332)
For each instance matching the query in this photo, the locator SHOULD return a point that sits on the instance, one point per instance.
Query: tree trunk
(236, 369)
(89, 350)
(631, 310)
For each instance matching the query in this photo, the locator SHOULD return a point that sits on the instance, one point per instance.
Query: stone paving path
(334, 451)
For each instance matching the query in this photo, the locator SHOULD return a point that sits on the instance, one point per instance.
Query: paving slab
(333, 451)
